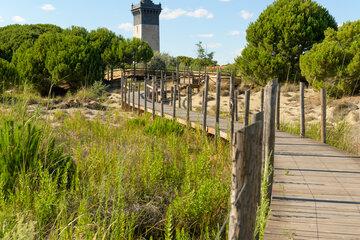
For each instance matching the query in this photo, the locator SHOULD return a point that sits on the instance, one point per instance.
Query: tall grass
(132, 179)
(338, 135)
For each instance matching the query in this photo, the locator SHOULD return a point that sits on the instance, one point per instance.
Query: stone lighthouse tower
(146, 22)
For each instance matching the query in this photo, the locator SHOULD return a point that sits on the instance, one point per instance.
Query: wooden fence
(252, 145)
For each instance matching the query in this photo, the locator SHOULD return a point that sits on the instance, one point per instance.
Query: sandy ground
(345, 109)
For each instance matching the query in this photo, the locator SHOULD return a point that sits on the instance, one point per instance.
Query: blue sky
(219, 24)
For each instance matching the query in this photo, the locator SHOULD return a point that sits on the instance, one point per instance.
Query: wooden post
(125, 91)
(122, 92)
(138, 106)
(323, 115)
(174, 102)
(145, 94)
(232, 109)
(178, 86)
(153, 96)
(245, 181)
(162, 94)
(269, 131)
(262, 100)
(247, 108)
(129, 93)
(133, 96)
(302, 109)
(236, 94)
(206, 92)
(218, 95)
(278, 107)
(188, 104)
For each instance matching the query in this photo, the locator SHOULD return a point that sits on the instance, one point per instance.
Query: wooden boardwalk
(316, 193)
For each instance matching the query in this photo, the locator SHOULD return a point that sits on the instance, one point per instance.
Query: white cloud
(1, 19)
(18, 19)
(234, 33)
(48, 7)
(200, 13)
(246, 14)
(214, 45)
(205, 35)
(169, 14)
(127, 27)
(224, 0)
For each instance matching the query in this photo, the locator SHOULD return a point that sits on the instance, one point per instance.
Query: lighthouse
(147, 22)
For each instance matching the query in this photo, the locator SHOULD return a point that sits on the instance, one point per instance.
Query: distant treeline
(46, 55)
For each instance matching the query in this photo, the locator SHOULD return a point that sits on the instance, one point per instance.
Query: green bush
(8, 74)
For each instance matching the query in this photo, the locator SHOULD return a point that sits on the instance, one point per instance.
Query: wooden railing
(252, 145)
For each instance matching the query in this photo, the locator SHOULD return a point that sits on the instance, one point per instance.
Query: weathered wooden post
(153, 96)
(129, 93)
(145, 94)
(262, 100)
(138, 97)
(302, 109)
(247, 108)
(206, 92)
(188, 104)
(122, 92)
(178, 86)
(245, 181)
(162, 94)
(323, 115)
(174, 101)
(269, 131)
(236, 94)
(278, 107)
(133, 96)
(217, 112)
(232, 109)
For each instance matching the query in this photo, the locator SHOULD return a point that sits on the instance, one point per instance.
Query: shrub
(24, 148)
(8, 74)
(335, 63)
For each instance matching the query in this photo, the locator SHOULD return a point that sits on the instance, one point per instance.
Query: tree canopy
(13, 36)
(335, 62)
(277, 39)
(46, 55)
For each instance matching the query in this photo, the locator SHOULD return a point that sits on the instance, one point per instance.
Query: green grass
(337, 135)
(133, 179)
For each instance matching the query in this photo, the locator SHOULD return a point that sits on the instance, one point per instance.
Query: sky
(219, 24)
